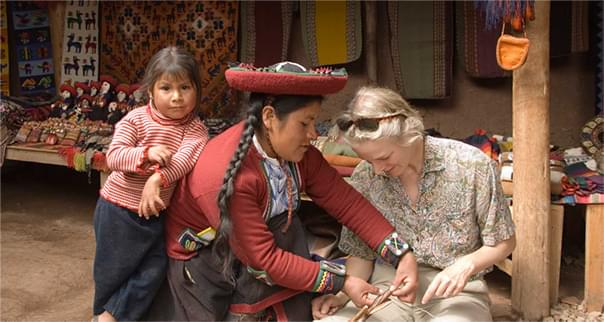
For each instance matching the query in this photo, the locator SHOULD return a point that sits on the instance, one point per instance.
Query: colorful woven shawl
(132, 32)
(331, 31)
(475, 43)
(422, 47)
(265, 31)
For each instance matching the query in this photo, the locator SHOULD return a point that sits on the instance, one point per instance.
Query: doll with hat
(118, 108)
(81, 89)
(100, 103)
(81, 108)
(94, 88)
(63, 108)
(135, 97)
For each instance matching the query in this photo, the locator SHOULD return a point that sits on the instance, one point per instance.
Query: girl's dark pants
(130, 261)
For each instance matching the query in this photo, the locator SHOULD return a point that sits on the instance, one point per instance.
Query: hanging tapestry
(32, 50)
(599, 42)
(4, 75)
(265, 31)
(80, 43)
(132, 31)
(421, 44)
(331, 31)
(475, 43)
(569, 30)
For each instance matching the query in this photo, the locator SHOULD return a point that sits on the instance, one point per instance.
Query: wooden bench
(594, 255)
(40, 154)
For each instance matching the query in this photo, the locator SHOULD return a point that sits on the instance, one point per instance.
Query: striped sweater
(139, 130)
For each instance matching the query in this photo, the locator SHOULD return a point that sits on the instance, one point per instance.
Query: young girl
(153, 147)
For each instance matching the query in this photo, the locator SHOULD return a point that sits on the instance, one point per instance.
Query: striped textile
(331, 31)
(569, 33)
(134, 134)
(421, 45)
(265, 31)
(4, 68)
(475, 43)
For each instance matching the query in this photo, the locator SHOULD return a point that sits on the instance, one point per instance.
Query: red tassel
(68, 154)
(99, 162)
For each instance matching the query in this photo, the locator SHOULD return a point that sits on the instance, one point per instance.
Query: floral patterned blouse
(460, 205)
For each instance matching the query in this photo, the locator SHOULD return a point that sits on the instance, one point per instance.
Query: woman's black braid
(221, 244)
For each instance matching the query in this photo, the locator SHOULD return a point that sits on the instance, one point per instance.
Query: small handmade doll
(100, 103)
(94, 88)
(135, 98)
(82, 107)
(81, 89)
(119, 108)
(64, 106)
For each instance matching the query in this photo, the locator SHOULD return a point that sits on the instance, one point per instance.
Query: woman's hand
(328, 304)
(405, 281)
(358, 290)
(151, 202)
(159, 154)
(450, 281)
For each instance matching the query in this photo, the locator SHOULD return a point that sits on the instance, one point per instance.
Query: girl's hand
(450, 281)
(406, 276)
(151, 203)
(328, 304)
(159, 154)
(358, 290)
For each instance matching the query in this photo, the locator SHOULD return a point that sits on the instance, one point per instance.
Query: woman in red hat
(236, 245)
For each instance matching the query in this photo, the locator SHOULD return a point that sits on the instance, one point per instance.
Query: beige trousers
(472, 304)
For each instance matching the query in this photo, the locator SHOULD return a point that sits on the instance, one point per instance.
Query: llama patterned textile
(80, 43)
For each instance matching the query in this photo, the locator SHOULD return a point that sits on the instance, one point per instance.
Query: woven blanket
(4, 69)
(599, 40)
(132, 32)
(331, 31)
(32, 50)
(475, 43)
(265, 31)
(80, 42)
(569, 33)
(421, 42)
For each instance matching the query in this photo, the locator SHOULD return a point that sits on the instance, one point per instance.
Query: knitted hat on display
(133, 88)
(95, 84)
(122, 88)
(68, 88)
(83, 86)
(286, 78)
(109, 79)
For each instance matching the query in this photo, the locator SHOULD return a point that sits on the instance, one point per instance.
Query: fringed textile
(422, 47)
(475, 43)
(4, 67)
(331, 31)
(132, 31)
(265, 31)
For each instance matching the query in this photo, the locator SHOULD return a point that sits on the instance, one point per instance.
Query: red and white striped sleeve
(123, 154)
(183, 161)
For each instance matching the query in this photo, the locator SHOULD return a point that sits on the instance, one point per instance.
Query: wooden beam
(371, 40)
(56, 12)
(531, 122)
(594, 258)
(556, 222)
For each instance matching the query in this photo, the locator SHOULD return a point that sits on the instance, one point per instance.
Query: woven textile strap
(392, 249)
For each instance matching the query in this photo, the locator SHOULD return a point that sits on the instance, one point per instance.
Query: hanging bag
(511, 50)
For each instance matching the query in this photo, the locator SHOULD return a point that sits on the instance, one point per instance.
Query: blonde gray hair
(378, 102)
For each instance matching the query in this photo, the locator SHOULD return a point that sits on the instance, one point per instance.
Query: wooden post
(594, 258)
(56, 12)
(530, 106)
(370, 40)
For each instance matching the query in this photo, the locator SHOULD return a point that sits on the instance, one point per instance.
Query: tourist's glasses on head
(364, 124)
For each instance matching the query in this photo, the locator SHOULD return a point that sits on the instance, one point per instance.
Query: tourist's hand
(450, 281)
(159, 154)
(358, 290)
(151, 203)
(405, 281)
(328, 304)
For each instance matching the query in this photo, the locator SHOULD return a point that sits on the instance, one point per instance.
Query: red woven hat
(68, 88)
(133, 88)
(95, 84)
(286, 78)
(122, 88)
(86, 97)
(109, 79)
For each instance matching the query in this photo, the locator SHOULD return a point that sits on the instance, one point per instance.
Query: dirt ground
(47, 246)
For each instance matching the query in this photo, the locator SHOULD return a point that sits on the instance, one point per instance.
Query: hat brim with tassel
(286, 78)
